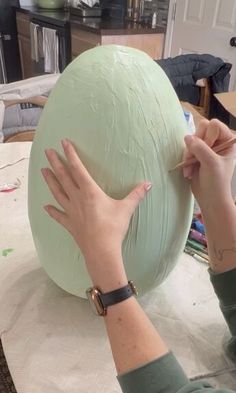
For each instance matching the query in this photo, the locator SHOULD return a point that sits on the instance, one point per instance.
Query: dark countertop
(58, 17)
(114, 27)
(93, 25)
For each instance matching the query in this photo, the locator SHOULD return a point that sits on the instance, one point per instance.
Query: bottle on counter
(154, 20)
(141, 10)
(136, 6)
(67, 4)
(129, 9)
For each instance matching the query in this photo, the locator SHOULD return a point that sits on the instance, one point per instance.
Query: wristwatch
(101, 301)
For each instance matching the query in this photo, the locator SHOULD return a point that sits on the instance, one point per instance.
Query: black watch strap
(118, 295)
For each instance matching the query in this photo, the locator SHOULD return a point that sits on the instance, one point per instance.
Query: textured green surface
(118, 107)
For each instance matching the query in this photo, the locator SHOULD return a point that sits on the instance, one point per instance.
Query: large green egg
(120, 110)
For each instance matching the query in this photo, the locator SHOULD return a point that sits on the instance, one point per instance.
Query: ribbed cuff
(159, 376)
(225, 286)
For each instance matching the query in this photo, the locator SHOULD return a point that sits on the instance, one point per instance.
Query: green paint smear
(7, 251)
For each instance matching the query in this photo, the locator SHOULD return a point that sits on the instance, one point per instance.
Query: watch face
(93, 295)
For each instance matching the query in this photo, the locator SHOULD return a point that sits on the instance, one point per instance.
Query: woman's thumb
(137, 195)
(199, 149)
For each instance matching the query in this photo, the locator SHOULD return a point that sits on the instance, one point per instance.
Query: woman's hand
(97, 222)
(211, 184)
(211, 177)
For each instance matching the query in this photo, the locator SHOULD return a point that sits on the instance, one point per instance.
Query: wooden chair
(24, 136)
(204, 103)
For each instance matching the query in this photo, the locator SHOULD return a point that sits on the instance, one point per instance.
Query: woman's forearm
(133, 339)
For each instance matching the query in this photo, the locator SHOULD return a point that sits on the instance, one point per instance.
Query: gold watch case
(93, 295)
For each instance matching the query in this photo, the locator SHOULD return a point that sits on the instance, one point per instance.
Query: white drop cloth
(52, 341)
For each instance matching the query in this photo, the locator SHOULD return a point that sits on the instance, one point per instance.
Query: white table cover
(52, 341)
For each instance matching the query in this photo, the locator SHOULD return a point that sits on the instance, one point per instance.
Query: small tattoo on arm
(221, 253)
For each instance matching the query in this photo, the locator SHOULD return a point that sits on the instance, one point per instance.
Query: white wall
(170, 26)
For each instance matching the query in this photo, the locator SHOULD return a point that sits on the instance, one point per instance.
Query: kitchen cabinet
(23, 29)
(150, 42)
(86, 34)
(82, 40)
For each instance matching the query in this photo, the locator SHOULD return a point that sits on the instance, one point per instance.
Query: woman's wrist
(218, 207)
(107, 270)
(221, 237)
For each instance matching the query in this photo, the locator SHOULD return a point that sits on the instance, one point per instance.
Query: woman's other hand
(211, 177)
(211, 185)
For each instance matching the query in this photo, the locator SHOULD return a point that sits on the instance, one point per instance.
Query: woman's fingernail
(44, 172)
(48, 152)
(148, 186)
(188, 139)
(185, 172)
(46, 208)
(64, 143)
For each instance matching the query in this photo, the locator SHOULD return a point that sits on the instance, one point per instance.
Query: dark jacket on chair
(184, 71)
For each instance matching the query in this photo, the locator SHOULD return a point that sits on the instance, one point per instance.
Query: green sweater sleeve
(225, 288)
(165, 375)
